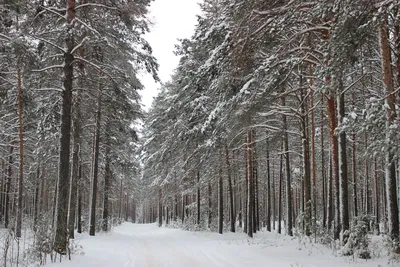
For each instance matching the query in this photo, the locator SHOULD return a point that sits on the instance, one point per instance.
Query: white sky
(173, 19)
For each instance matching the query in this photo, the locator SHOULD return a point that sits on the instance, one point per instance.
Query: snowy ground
(133, 245)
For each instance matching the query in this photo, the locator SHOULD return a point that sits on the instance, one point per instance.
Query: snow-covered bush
(358, 240)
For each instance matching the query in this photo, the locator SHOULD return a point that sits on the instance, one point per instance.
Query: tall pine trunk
(250, 186)
(77, 128)
(280, 191)
(268, 219)
(220, 201)
(391, 189)
(209, 214)
(21, 155)
(92, 223)
(107, 185)
(306, 163)
(289, 211)
(198, 197)
(343, 189)
(80, 199)
(61, 237)
(229, 173)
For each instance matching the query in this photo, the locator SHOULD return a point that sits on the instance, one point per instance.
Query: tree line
(280, 114)
(68, 105)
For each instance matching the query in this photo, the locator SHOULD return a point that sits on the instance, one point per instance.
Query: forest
(281, 116)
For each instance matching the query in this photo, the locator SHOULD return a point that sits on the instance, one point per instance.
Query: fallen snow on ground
(134, 245)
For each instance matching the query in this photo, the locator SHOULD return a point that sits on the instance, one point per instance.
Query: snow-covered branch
(95, 5)
(79, 45)
(95, 66)
(49, 68)
(50, 43)
(87, 26)
(5, 37)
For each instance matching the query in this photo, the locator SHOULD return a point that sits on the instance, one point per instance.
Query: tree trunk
(246, 191)
(256, 209)
(273, 196)
(198, 197)
(391, 188)
(61, 237)
(344, 195)
(250, 187)
(354, 166)
(107, 185)
(306, 164)
(77, 129)
(220, 202)
(289, 230)
(92, 226)
(159, 207)
(323, 173)
(280, 191)
(36, 199)
(209, 204)
(228, 170)
(80, 199)
(334, 159)
(21, 155)
(183, 208)
(268, 219)
(377, 213)
(313, 150)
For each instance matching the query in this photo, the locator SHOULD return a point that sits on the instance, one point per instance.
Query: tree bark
(198, 197)
(323, 173)
(306, 163)
(80, 199)
(313, 150)
(377, 213)
(334, 159)
(36, 200)
(268, 219)
(344, 195)
(256, 209)
(228, 170)
(77, 129)
(209, 204)
(92, 226)
(107, 185)
(61, 237)
(391, 188)
(250, 187)
(220, 202)
(246, 190)
(159, 207)
(3, 189)
(280, 191)
(289, 229)
(21, 155)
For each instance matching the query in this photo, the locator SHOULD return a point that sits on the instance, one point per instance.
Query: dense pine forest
(281, 116)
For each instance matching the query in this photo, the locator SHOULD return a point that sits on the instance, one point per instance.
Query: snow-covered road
(134, 245)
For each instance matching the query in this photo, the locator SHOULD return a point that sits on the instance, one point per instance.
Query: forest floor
(135, 245)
